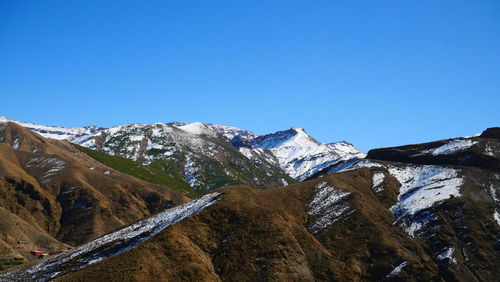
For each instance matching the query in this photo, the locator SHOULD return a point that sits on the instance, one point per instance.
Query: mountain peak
(196, 128)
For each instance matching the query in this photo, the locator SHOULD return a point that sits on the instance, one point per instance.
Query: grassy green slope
(154, 173)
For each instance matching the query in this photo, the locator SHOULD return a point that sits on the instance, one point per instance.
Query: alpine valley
(205, 202)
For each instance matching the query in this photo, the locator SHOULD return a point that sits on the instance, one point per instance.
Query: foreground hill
(53, 196)
(371, 220)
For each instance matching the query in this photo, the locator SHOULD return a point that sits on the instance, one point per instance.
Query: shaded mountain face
(209, 156)
(51, 194)
(366, 220)
(478, 152)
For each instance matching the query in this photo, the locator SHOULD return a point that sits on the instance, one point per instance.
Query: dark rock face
(476, 152)
(239, 142)
(493, 132)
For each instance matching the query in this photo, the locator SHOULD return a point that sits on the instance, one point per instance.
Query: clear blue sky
(375, 73)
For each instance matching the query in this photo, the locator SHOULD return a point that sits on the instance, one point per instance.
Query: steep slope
(373, 221)
(302, 156)
(55, 194)
(111, 244)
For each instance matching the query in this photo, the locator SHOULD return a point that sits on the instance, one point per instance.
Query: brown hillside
(260, 235)
(52, 194)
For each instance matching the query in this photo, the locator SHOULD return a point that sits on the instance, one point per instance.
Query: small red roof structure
(38, 253)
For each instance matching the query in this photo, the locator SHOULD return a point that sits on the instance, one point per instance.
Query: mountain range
(114, 204)
(191, 149)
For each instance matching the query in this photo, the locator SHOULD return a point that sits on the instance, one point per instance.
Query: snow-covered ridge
(111, 244)
(301, 156)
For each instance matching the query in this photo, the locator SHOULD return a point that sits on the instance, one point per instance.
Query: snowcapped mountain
(404, 218)
(425, 212)
(194, 146)
(300, 155)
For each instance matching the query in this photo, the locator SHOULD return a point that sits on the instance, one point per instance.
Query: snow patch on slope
(111, 244)
(50, 165)
(447, 255)
(328, 206)
(378, 179)
(424, 186)
(496, 216)
(496, 199)
(191, 172)
(16, 143)
(451, 147)
(397, 269)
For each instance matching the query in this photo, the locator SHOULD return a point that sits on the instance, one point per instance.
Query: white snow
(496, 216)
(346, 150)
(378, 179)
(489, 151)
(496, 198)
(300, 156)
(447, 254)
(412, 228)
(494, 193)
(156, 146)
(16, 143)
(69, 190)
(424, 186)
(111, 244)
(196, 128)
(230, 132)
(397, 269)
(284, 182)
(247, 152)
(451, 147)
(191, 171)
(328, 206)
(421, 188)
(353, 164)
(51, 165)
